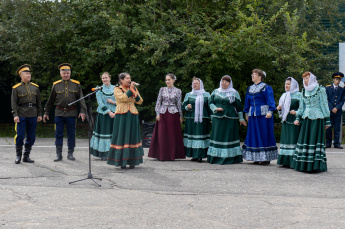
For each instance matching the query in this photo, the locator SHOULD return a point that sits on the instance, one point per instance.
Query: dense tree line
(149, 38)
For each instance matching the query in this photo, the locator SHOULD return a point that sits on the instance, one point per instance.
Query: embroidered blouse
(169, 99)
(232, 107)
(125, 100)
(295, 101)
(314, 105)
(102, 96)
(259, 100)
(190, 99)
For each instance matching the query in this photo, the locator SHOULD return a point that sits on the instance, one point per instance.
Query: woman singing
(125, 148)
(167, 142)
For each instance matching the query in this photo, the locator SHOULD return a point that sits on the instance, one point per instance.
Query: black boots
(26, 157)
(19, 150)
(58, 153)
(70, 154)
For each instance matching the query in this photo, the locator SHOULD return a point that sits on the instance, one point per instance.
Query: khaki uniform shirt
(26, 100)
(63, 93)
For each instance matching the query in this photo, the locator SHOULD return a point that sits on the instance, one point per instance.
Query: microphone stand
(89, 134)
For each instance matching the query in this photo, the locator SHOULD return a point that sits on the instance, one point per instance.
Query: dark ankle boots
(26, 157)
(58, 153)
(70, 154)
(19, 151)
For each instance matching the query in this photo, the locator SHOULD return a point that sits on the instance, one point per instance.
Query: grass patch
(43, 130)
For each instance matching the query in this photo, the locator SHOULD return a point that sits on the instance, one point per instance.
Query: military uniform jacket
(335, 98)
(63, 93)
(26, 100)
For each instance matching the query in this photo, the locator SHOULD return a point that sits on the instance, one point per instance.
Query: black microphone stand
(89, 134)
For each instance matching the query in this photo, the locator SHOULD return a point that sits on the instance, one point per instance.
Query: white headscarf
(285, 99)
(227, 91)
(199, 102)
(312, 83)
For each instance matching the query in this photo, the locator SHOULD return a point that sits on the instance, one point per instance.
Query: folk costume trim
(125, 146)
(125, 159)
(257, 88)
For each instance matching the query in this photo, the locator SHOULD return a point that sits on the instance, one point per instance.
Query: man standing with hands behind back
(26, 110)
(335, 97)
(63, 92)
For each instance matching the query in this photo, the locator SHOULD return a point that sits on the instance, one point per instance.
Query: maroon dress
(167, 140)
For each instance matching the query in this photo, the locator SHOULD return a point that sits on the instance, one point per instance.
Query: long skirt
(196, 138)
(125, 148)
(101, 137)
(288, 141)
(167, 142)
(310, 153)
(225, 142)
(260, 143)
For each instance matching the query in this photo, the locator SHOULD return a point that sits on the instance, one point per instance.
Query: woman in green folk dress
(126, 148)
(225, 102)
(313, 113)
(196, 138)
(103, 129)
(288, 106)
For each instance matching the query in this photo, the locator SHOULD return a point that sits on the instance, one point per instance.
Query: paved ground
(179, 194)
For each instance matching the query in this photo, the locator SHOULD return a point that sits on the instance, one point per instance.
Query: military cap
(65, 67)
(338, 75)
(24, 68)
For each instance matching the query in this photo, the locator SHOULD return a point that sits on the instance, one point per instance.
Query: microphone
(136, 84)
(96, 88)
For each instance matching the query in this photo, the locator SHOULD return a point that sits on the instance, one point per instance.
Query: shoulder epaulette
(35, 84)
(75, 81)
(17, 85)
(57, 82)
(329, 85)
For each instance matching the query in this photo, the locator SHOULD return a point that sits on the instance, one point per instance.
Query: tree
(151, 38)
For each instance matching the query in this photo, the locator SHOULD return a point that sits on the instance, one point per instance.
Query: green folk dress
(126, 148)
(289, 133)
(196, 137)
(225, 140)
(313, 113)
(103, 129)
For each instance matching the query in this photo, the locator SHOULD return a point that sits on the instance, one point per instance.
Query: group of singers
(116, 136)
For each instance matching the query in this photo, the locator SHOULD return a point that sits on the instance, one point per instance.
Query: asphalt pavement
(175, 194)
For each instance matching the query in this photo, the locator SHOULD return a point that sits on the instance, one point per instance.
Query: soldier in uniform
(27, 111)
(63, 92)
(335, 97)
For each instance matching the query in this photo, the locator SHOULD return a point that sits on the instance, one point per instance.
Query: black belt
(27, 105)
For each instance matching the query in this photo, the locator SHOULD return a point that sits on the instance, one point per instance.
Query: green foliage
(148, 39)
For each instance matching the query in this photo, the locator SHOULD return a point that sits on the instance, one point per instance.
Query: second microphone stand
(89, 134)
